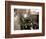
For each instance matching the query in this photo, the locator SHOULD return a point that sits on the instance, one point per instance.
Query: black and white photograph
(25, 19)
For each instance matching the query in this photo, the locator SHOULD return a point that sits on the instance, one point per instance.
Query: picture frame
(14, 6)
